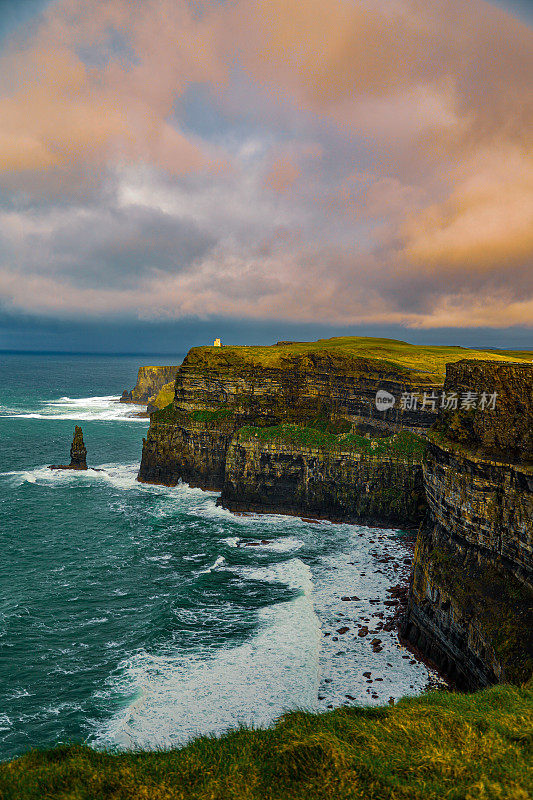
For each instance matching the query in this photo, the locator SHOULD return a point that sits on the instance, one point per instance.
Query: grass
(425, 363)
(165, 395)
(204, 415)
(441, 745)
(403, 444)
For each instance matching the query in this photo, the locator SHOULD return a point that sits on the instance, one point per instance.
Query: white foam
(354, 572)
(121, 476)
(162, 558)
(107, 408)
(280, 545)
(5, 722)
(17, 694)
(61, 708)
(231, 541)
(178, 697)
(219, 562)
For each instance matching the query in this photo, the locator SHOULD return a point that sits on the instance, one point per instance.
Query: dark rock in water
(78, 453)
(126, 396)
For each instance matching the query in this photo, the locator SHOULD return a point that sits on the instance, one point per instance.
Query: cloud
(73, 93)
(282, 175)
(487, 220)
(348, 161)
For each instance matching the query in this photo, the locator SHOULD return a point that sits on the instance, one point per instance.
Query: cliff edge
(471, 603)
(220, 390)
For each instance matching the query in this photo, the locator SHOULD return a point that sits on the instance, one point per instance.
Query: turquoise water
(134, 615)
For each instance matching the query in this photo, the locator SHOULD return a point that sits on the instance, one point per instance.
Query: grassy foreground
(442, 745)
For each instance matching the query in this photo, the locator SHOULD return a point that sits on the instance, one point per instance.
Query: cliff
(150, 381)
(188, 446)
(471, 603)
(163, 398)
(219, 390)
(345, 478)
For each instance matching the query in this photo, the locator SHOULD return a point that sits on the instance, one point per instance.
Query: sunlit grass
(442, 745)
(399, 445)
(426, 363)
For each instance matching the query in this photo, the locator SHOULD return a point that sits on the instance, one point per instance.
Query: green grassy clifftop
(425, 364)
(333, 380)
(442, 745)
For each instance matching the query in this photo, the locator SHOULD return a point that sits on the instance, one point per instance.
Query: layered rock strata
(187, 447)
(471, 603)
(298, 386)
(219, 390)
(343, 486)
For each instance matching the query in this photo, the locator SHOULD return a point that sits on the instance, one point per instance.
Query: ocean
(140, 616)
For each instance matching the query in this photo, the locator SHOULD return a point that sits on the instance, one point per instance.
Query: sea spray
(176, 697)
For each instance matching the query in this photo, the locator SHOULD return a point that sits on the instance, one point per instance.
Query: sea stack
(78, 453)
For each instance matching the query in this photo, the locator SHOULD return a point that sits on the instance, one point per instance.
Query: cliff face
(471, 601)
(163, 398)
(483, 505)
(340, 485)
(186, 446)
(504, 432)
(218, 390)
(294, 429)
(297, 386)
(150, 381)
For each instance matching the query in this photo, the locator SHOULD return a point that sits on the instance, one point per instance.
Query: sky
(176, 170)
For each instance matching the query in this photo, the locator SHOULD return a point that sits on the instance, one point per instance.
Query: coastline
(371, 609)
(244, 509)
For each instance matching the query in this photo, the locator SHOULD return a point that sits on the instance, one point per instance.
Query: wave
(219, 562)
(350, 590)
(121, 476)
(106, 408)
(280, 545)
(177, 697)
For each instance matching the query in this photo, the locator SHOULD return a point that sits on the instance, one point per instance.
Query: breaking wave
(85, 409)
(176, 697)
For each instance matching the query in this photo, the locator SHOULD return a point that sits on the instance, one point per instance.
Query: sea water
(139, 616)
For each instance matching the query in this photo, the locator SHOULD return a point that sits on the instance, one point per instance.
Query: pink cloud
(384, 172)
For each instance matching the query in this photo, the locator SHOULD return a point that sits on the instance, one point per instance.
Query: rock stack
(78, 453)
